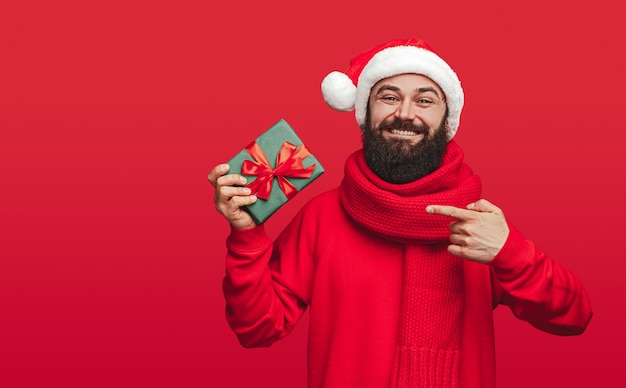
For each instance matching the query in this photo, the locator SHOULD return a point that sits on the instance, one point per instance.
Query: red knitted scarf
(431, 308)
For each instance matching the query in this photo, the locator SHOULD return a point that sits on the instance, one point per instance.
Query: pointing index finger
(451, 211)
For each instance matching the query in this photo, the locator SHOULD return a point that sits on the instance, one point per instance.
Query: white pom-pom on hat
(339, 92)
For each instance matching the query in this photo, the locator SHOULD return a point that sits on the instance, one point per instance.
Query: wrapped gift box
(277, 166)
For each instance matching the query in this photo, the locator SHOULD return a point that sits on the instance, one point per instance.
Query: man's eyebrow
(387, 87)
(428, 89)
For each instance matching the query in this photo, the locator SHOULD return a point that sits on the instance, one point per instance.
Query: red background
(113, 113)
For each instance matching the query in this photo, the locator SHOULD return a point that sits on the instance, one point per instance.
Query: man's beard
(397, 160)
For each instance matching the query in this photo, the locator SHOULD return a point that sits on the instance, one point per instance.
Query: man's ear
(366, 124)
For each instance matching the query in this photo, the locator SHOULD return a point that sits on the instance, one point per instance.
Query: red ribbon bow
(288, 164)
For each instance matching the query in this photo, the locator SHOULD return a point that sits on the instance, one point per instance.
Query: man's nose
(405, 111)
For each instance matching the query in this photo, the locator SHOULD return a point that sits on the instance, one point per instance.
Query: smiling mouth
(404, 132)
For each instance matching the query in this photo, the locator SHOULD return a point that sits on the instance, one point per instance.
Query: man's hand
(230, 196)
(479, 231)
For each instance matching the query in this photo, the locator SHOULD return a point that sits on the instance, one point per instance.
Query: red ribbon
(288, 164)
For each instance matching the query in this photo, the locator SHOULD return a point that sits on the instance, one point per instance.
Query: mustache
(396, 123)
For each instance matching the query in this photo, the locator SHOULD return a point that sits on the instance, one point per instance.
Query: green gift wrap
(277, 166)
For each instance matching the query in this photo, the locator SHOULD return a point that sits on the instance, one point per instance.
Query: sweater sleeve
(265, 286)
(537, 289)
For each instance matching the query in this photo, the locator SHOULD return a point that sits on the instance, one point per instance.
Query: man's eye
(424, 101)
(389, 98)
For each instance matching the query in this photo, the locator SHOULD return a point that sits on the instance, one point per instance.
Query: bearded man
(399, 295)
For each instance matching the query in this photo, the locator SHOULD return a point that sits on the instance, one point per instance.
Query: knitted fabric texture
(431, 308)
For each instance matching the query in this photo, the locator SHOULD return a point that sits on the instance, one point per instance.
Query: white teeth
(403, 132)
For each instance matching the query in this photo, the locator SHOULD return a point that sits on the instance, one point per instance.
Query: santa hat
(351, 90)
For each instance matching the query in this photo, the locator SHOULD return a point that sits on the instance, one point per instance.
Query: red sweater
(351, 281)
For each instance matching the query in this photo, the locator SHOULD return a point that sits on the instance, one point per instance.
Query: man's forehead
(419, 82)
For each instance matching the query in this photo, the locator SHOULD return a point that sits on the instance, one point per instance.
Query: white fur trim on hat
(339, 92)
(410, 59)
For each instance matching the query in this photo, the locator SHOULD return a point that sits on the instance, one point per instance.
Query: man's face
(404, 137)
